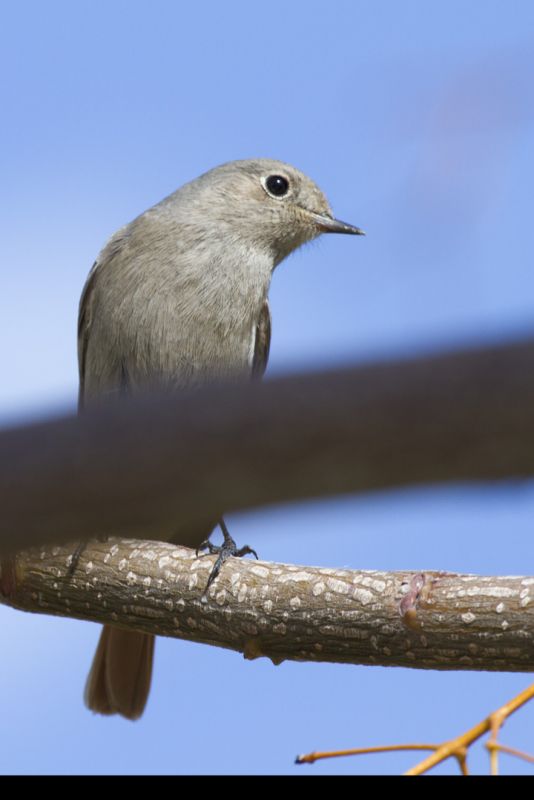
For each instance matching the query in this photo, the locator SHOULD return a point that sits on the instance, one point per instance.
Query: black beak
(328, 224)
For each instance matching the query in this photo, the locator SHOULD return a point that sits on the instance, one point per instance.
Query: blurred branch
(137, 467)
(427, 620)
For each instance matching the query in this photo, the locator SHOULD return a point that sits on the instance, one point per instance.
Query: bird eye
(277, 185)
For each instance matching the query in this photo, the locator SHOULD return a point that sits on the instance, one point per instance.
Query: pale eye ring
(276, 185)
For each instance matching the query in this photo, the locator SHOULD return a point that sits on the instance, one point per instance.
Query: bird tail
(119, 680)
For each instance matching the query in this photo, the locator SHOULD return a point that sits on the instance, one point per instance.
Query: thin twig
(311, 758)
(456, 748)
(512, 751)
(492, 723)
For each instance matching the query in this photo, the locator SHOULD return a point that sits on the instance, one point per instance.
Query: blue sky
(417, 121)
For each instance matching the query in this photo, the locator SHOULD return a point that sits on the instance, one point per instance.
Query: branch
(428, 620)
(138, 467)
(453, 748)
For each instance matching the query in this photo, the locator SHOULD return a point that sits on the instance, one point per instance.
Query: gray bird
(178, 298)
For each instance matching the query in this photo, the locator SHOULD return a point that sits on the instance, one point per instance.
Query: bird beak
(327, 224)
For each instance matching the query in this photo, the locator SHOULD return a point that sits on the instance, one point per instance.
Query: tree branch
(428, 620)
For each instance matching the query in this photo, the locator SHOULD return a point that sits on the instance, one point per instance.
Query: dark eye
(277, 185)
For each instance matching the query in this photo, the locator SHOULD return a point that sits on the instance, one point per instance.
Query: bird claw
(228, 549)
(78, 552)
(75, 558)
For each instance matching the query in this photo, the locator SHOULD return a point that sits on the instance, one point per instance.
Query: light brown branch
(512, 751)
(311, 758)
(427, 620)
(461, 743)
(142, 467)
(457, 748)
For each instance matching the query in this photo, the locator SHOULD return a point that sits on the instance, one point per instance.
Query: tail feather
(119, 680)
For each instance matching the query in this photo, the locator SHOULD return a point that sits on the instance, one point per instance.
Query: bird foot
(75, 557)
(227, 550)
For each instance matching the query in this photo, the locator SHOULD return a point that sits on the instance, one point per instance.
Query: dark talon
(75, 558)
(227, 550)
(245, 551)
(207, 545)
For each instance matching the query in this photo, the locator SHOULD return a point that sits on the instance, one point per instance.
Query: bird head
(266, 204)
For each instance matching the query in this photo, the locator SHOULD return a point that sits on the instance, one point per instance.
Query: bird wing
(109, 371)
(84, 328)
(262, 342)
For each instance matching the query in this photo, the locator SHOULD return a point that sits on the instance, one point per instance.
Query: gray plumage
(178, 298)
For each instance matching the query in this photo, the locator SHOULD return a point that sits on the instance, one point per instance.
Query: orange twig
(512, 751)
(311, 758)
(457, 747)
(492, 723)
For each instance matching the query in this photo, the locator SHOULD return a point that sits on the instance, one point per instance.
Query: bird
(179, 298)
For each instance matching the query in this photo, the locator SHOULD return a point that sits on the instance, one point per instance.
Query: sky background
(417, 121)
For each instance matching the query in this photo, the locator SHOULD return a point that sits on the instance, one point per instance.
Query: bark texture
(427, 620)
